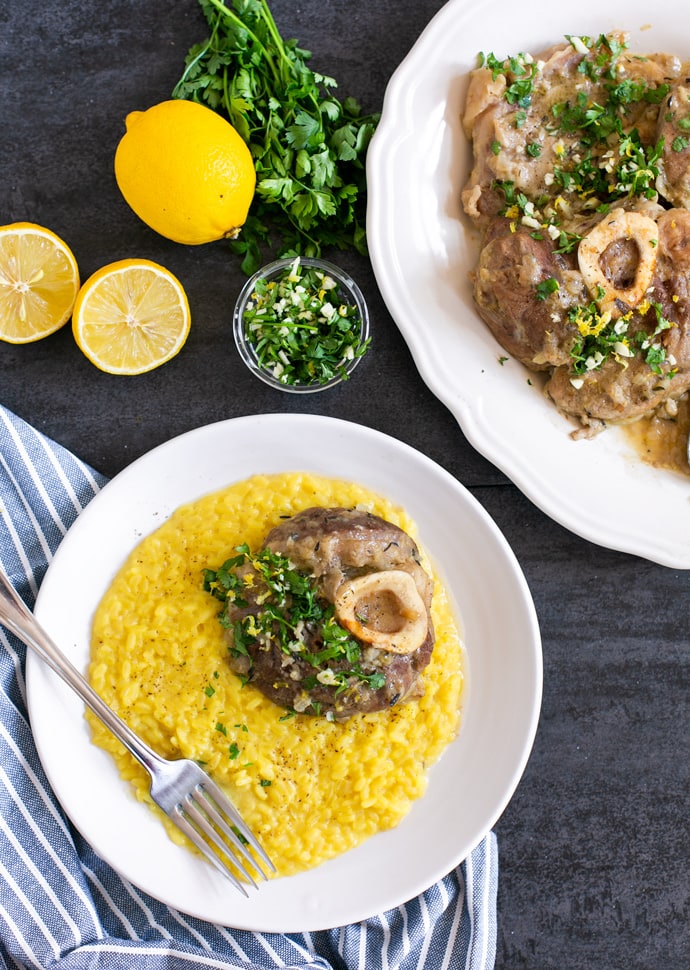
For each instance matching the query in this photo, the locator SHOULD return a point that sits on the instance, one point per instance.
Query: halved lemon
(131, 316)
(39, 280)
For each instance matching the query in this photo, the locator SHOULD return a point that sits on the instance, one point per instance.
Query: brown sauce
(663, 441)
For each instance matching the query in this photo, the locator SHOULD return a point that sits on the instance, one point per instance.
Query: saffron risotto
(310, 789)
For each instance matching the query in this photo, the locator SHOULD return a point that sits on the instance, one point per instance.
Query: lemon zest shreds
(131, 316)
(591, 323)
(39, 280)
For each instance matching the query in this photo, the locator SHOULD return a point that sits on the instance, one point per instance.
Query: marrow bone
(619, 227)
(383, 609)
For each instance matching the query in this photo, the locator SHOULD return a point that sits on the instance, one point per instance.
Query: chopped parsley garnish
(598, 160)
(599, 157)
(302, 328)
(602, 336)
(290, 614)
(546, 287)
(519, 72)
(637, 169)
(654, 353)
(521, 209)
(603, 52)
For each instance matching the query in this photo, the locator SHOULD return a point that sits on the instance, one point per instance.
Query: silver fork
(181, 788)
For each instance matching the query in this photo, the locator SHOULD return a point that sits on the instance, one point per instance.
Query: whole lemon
(186, 172)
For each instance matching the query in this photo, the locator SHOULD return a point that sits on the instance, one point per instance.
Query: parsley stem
(231, 15)
(277, 39)
(195, 60)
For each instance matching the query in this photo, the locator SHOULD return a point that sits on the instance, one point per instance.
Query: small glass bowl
(347, 291)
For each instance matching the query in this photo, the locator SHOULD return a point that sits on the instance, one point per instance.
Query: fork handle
(16, 617)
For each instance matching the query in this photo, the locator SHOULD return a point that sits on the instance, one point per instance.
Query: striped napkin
(61, 906)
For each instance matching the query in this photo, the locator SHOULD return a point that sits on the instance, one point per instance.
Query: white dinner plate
(423, 249)
(470, 785)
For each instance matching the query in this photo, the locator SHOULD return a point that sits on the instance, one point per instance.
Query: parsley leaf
(546, 287)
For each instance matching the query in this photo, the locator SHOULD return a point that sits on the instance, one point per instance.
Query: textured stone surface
(593, 847)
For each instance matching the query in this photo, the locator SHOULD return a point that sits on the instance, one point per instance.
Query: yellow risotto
(309, 788)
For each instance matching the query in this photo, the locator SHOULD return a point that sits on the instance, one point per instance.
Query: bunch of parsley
(308, 147)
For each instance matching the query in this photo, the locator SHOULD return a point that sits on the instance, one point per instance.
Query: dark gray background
(594, 845)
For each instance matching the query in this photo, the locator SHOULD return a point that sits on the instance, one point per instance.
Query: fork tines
(210, 820)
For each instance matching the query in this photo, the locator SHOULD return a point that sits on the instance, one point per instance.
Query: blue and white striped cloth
(61, 906)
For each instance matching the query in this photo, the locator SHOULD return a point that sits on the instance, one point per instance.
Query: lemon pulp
(39, 280)
(131, 316)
